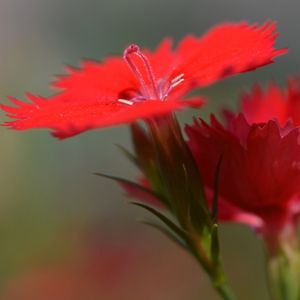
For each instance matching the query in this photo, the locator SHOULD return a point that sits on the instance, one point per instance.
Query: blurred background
(66, 234)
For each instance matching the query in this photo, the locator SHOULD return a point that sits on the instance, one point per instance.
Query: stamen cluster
(150, 88)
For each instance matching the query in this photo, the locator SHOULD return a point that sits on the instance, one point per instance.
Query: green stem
(225, 292)
(215, 273)
(284, 275)
(182, 185)
(220, 284)
(284, 266)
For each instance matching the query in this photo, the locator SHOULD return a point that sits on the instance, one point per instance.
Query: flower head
(143, 84)
(259, 181)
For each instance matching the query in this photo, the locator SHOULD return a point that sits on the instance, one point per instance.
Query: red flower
(260, 170)
(273, 103)
(144, 84)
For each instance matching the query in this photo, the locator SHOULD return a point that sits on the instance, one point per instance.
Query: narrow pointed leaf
(133, 184)
(129, 155)
(170, 224)
(214, 210)
(215, 245)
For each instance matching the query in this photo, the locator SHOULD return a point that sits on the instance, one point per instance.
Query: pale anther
(179, 77)
(128, 102)
(175, 83)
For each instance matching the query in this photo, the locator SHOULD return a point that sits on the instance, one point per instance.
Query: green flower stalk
(283, 255)
(172, 177)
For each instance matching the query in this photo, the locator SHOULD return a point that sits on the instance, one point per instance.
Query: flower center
(150, 88)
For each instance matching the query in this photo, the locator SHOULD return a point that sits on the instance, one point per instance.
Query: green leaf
(169, 223)
(214, 210)
(215, 245)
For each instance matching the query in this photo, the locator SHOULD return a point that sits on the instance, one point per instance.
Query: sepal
(143, 191)
(215, 202)
(181, 180)
(168, 222)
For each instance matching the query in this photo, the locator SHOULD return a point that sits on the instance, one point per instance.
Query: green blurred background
(68, 235)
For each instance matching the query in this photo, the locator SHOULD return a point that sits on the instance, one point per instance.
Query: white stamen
(128, 102)
(175, 83)
(179, 77)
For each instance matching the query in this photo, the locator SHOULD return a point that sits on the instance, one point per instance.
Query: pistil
(152, 92)
(150, 88)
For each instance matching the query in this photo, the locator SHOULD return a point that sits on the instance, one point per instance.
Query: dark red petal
(260, 106)
(260, 171)
(226, 50)
(227, 212)
(273, 103)
(293, 96)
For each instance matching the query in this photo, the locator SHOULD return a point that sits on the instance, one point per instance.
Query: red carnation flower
(259, 180)
(144, 84)
(273, 103)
